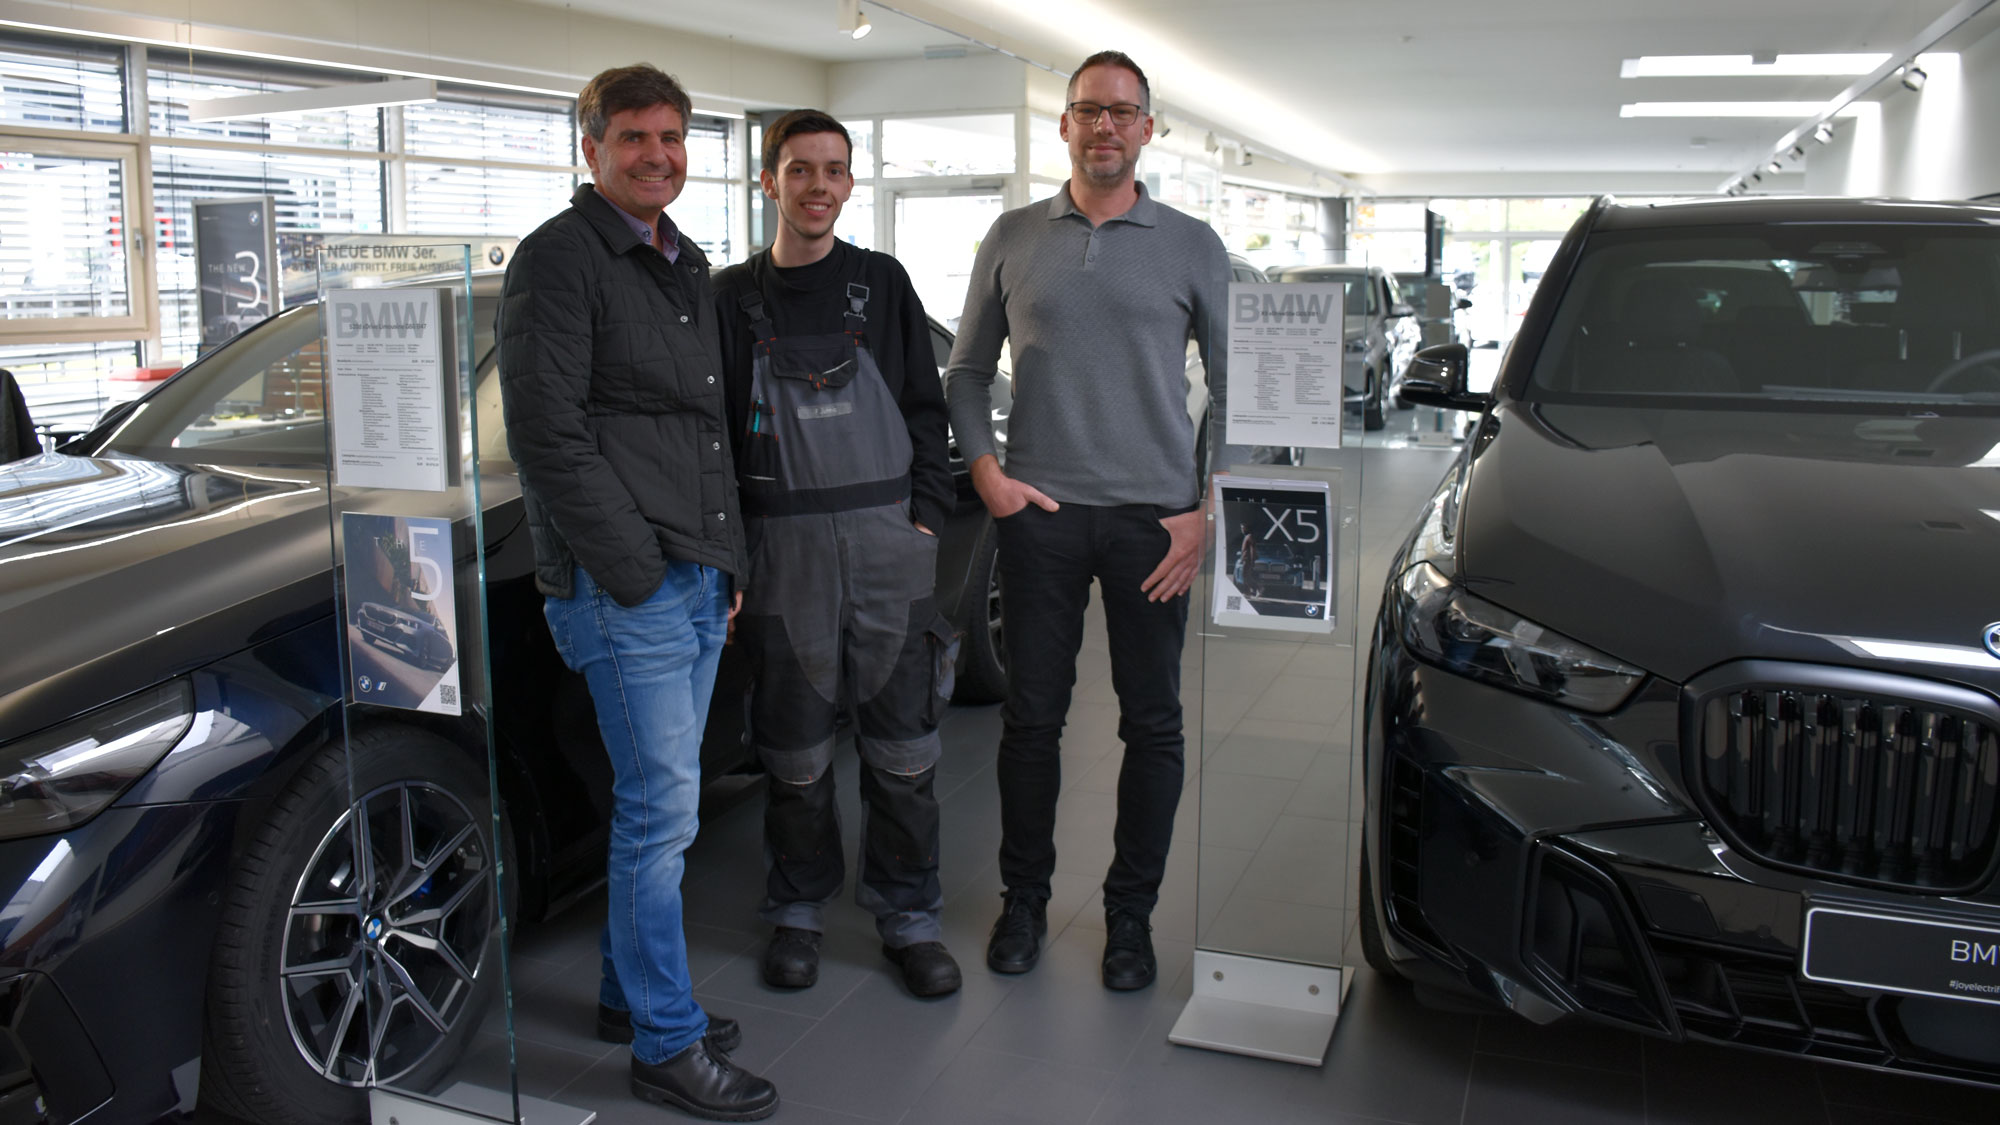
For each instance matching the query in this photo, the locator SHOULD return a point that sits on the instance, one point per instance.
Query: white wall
(1934, 143)
(526, 46)
(980, 81)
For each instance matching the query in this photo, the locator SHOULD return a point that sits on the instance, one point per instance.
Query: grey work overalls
(839, 609)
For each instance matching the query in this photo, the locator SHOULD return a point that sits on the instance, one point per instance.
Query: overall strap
(752, 304)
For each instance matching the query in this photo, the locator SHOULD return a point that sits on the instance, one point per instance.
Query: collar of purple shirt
(669, 239)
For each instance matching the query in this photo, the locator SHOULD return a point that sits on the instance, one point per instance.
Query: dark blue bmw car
(185, 888)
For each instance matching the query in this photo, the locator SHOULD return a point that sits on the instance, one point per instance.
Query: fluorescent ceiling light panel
(1727, 109)
(361, 95)
(1740, 66)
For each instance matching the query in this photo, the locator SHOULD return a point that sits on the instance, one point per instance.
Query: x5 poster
(1274, 554)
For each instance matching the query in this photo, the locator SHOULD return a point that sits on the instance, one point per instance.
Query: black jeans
(1047, 561)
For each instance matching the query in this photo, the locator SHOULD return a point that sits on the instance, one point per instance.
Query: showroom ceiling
(1409, 87)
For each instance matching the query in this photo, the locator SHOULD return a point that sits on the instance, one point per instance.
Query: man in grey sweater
(1098, 291)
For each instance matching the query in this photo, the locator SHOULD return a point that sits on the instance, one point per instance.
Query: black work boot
(1016, 943)
(1128, 951)
(792, 961)
(702, 1081)
(928, 967)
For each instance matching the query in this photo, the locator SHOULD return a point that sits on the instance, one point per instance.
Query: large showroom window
(1496, 251)
(1270, 228)
(65, 217)
(477, 162)
(56, 85)
(309, 192)
(479, 166)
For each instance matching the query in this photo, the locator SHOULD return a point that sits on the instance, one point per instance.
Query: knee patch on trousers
(797, 767)
(902, 757)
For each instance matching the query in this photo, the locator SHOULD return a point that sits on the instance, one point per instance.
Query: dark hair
(798, 123)
(639, 86)
(1119, 59)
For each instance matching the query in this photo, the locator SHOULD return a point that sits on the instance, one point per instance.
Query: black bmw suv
(1683, 711)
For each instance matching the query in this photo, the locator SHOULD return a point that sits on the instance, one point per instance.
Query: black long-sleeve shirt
(811, 300)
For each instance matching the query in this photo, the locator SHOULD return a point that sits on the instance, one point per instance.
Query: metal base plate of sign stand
(1269, 1009)
(480, 1106)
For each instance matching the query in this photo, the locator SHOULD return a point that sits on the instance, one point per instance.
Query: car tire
(1372, 415)
(1373, 949)
(982, 672)
(271, 1033)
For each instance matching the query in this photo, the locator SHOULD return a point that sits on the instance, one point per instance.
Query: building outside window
(81, 306)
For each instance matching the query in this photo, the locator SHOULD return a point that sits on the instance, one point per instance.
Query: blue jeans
(651, 670)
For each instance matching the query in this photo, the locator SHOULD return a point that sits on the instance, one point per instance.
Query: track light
(1210, 144)
(852, 20)
(1774, 167)
(1798, 152)
(1823, 133)
(1756, 177)
(1160, 126)
(1243, 158)
(1913, 77)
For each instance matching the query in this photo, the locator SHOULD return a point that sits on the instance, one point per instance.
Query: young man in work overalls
(840, 424)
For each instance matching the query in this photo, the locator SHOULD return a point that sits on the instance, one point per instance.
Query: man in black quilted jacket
(611, 384)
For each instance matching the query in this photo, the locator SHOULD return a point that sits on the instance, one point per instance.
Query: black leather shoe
(1128, 951)
(928, 968)
(792, 961)
(1016, 943)
(614, 1025)
(703, 1082)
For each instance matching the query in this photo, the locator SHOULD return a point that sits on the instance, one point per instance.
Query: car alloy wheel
(387, 934)
(358, 944)
(982, 673)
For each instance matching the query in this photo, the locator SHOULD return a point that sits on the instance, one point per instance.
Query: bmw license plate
(1899, 953)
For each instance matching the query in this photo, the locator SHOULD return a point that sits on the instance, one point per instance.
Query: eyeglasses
(1087, 113)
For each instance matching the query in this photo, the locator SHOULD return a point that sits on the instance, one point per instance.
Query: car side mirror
(1397, 312)
(1436, 377)
(1463, 303)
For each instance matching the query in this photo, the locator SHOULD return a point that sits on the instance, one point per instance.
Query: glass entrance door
(935, 236)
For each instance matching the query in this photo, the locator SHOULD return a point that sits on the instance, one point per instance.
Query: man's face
(1102, 152)
(810, 183)
(642, 161)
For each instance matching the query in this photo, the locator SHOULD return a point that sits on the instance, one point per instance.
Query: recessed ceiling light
(1729, 66)
(1726, 109)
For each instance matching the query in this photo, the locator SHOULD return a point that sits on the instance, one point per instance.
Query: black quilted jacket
(611, 381)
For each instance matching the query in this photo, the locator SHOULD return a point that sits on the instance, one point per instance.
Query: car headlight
(1445, 626)
(58, 778)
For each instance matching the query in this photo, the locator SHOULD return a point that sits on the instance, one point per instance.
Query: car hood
(117, 571)
(1677, 540)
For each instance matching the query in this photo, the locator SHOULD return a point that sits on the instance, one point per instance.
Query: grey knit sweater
(1098, 321)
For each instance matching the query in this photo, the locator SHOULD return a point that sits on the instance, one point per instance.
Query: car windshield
(258, 400)
(1357, 285)
(1804, 314)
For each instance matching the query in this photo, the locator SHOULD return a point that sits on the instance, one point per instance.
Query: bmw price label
(387, 378)
(1287, 376)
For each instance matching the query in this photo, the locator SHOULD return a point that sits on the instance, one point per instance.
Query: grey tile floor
(1053, 1046)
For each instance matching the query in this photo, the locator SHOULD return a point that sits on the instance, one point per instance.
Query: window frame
(142, 321)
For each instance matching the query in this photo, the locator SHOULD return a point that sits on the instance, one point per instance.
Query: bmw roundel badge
(1992, 638)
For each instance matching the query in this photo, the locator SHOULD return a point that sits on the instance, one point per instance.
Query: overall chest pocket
(823, 416)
